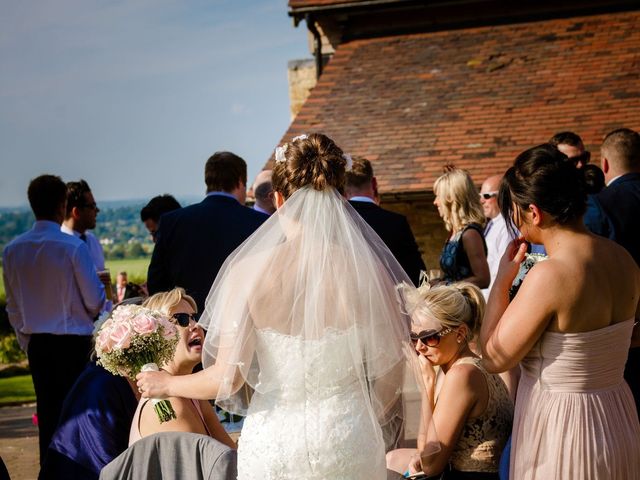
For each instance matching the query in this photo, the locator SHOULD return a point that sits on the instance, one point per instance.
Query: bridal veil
(314, 268)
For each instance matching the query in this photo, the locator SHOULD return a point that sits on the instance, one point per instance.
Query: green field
(136, 271)
(16, 390)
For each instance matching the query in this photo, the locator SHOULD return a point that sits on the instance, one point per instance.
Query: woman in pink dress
(570, 327)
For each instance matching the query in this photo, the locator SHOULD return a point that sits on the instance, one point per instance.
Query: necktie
(488, 227)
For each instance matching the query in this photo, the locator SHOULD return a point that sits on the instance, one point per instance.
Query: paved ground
(19, 442)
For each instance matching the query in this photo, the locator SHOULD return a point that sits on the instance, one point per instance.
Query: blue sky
(135, 95)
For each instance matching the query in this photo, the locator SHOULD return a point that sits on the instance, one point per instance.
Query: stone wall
(427, 226)
(302, 79)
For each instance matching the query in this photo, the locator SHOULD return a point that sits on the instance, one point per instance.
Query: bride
(306, 313)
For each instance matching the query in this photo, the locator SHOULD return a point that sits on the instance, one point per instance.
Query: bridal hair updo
(452, 305)
(542, 176)
(314, 160)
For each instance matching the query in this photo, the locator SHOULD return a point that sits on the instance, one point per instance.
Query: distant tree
(118, 252)
(135, 250)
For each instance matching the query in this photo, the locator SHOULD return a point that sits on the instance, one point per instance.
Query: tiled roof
(320, 3)
(476, 97)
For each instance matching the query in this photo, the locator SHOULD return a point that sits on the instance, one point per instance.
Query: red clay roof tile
(476, 97)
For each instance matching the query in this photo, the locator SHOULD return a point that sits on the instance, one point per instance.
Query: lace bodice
(310, 416)
(483, 438)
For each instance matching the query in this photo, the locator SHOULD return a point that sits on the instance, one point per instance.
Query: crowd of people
(315, 310)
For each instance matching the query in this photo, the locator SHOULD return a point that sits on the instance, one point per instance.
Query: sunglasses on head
(488, 195)
(584, 157)
(429, 337)
(183, 319)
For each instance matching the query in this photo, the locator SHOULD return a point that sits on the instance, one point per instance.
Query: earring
(459, 341)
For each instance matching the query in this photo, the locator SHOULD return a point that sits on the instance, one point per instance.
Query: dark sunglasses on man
(584, 157)
(183, 319)
(488, 195)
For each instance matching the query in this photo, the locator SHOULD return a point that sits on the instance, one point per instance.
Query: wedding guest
(570, 328)
(195, 416)
(152, 211)
(193, 242)
(263, 193)
(613, 213)
(496, 234)
(81, 214)
(94, 426)
(572, 146)
(464, 256)
(472, 412)
(360, 189)
(125, 289)
(53, 295)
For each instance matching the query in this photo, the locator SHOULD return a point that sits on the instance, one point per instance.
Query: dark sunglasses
(489, 195)
(183, 319)
(429, 337)
(584, 157)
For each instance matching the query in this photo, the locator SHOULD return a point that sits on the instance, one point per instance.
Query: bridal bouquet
(527, 264)
(136, 339)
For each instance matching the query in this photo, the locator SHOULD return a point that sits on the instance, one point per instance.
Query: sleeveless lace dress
(575, 417)
(311, 418)
(483, 437)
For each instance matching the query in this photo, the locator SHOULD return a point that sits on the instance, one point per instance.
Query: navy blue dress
(94, 426)
(454, 261)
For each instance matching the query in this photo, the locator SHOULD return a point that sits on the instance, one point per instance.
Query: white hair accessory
(280, 151)
(349, 161)
(304, 136)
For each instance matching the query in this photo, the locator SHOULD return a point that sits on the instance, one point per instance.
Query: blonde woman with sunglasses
(472, 411)
(195, 416)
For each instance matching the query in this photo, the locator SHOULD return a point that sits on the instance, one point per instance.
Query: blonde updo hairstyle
(453, 305)
(459, 199)
(165, 302)
(314, 161)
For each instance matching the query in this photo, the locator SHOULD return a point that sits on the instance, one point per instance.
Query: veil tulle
(314, 268)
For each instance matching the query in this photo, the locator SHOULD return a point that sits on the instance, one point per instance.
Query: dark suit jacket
(395, 232)
(614, 213)
(193, 243)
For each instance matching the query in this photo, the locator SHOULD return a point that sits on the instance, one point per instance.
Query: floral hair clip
(349, 160)
(280, 151)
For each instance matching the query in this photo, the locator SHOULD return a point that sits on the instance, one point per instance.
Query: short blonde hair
(165, 302)
(453, 305)
(459, 200)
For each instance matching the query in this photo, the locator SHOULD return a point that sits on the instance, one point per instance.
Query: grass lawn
(136, 269)
(14, 390)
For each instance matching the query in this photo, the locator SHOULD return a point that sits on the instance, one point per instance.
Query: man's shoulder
(377, 210)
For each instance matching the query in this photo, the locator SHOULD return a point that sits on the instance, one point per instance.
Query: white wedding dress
(290, 434)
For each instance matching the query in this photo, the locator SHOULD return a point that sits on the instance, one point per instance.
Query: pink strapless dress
(575, 417)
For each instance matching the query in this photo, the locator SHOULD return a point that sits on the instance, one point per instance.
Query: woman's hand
(511, 260)
(414, 465)
(154, 384)
(427, 371)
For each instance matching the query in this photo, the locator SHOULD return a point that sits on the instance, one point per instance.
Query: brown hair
(314, 161)
(622, 146)
(223, 171)
(361, 173)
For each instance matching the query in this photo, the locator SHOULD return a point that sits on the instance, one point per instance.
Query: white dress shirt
(95, 249)
(497, 238)
(51, 283)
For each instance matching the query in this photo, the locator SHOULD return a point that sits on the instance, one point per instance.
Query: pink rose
(169, 330)
(103, 341)
(144, 324)
(121, 336)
